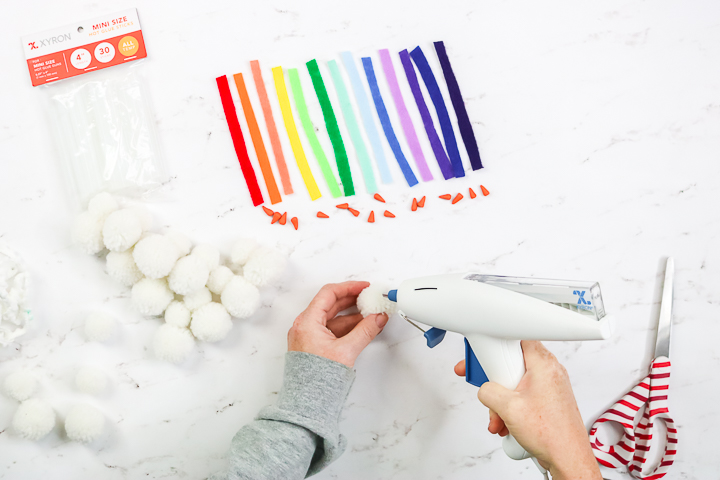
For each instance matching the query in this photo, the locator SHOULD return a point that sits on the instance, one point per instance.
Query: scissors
(649, 397)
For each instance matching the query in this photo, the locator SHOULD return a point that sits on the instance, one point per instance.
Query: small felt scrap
(276, 217)
(294, 221)
(447, 196)
(388, 214)
(472, 193)
(379, 198)
(457, 198)
(484, 191)
(268, 212)
(414, 205)
(354, 212)
(322, 215)
(371, 217)
(344, 206)
(421, 202)
(283, 219)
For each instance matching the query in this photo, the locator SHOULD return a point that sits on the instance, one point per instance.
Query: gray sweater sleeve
(299, 436)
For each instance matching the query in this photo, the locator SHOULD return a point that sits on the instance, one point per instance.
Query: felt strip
(366, 115)
(466, 130)
(307, 124)
(437, 147)
(353, 128)
(332, 128)
(297, 148)
(263, 160)
(443, 117)
(386, 124)
(272, 128)
(238, 140)
(405, 120)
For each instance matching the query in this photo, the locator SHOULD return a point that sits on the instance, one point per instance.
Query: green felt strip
(333, 130)
(310, 132)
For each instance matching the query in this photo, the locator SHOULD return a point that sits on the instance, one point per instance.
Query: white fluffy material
(33, 419)
(209, 254)
(182, 243)
(15, 311)
(240, 297)
(241, 251)
(87, 233)
(172, 343)
(146, 219)
(20, 385)
(122, 230)
(264, 266)
(219, 278)
(177, 314)
(102, 205)
(155, 255)
(121, 267)
(84, 423)
(91, 380)
(197, 299)
(189, 275)
(371, 300)
(151, 296)
(211, 322)
(99, 326)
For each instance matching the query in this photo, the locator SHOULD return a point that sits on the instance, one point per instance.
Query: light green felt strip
(353, 128)
(310, 132)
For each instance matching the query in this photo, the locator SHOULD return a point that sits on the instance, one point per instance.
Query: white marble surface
(598, 124)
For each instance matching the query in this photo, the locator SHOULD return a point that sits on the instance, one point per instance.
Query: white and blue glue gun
(494, 313)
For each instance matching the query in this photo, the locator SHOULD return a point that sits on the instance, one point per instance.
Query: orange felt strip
(457, 198)
(268, 212)
(342, 205)
(414, 205)
(389, 214)
(283, 219)
(276, 217)
(421, 203)
(322, 215)
(371, 217)
(472, 193)
(484, 191)
(354, 212)
(447, 196)
(379, 198)
(263, 160)
(294, 221)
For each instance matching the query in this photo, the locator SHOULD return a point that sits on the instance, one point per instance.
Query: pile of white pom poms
(191, 287)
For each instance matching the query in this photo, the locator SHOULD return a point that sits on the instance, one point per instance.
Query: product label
(83, 47)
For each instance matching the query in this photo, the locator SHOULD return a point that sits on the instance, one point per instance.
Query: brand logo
(32, 45)
(45, 42)
(582, 303)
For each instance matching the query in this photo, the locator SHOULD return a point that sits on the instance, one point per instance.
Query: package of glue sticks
(97, 106)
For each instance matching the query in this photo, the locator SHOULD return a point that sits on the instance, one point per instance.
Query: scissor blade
(662, 344)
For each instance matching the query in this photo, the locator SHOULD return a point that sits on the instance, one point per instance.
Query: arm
(299, 436)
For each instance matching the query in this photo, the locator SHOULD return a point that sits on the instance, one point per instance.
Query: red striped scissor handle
(650, 396)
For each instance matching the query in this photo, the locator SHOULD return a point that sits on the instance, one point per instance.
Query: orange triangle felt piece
(294, 221)
(447, 196)
(344, 206)
(472, 193)
(283, 219)
(276, 217)
(379, 198)
(484, 191)
(322, 215)
(414, 205)
(421, 203)
(457, 198)
(267, 211)
(371, 217)
(354, 212)
(388, 214)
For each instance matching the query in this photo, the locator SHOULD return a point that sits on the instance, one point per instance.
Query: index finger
(331, 293)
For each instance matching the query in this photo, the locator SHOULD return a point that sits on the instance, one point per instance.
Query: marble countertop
(598, 123)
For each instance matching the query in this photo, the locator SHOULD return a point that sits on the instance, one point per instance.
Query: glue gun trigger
(434, 336)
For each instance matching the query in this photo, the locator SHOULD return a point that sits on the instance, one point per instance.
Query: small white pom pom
(121, 267)
(102, 205)
(99, 326)
(20, 385)
(155, 255)
(87, 233)
(146, 219)
(33, 419)
(211, 322)
(241, 251)
(122, 230)
(371, 300)
(219, 278)
(240, 297)
(264, 266)
(177, 314)
(151, 296)
(181, 242)
(84, 423)
(197, 299)
(189, 275)
(173, 344)
(91, 380)
(209, 254)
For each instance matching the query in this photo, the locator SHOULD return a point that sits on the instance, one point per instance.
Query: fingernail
(381, 320)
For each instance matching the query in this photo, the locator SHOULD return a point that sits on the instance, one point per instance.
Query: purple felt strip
(405, 119)
(437, 146)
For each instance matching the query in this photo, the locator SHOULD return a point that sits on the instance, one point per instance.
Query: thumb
(495, 397)
(364, 332)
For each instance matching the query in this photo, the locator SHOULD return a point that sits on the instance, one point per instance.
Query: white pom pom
(209, 254)
(84, 423)
(182, 243)
(91, 380)
(219, 278)
(33, 419)
(20, 385)
(264, 266)
(177, 314)
(173, 344)
(99, 326)
(197, 299)
(146, 219)
(371, 300)
(211, 322)
(87, 233)
(241, 251)
(189, 275)
(240, 297)
(121, 267)
(151, 296)
(155, 255)
(122, 230)
(102, 205)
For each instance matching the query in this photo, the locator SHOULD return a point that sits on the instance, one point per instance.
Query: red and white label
(83, 47)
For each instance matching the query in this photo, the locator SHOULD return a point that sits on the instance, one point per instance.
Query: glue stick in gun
(494, 313)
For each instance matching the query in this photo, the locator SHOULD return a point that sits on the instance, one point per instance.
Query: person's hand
(317, 330)
(542, 415)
